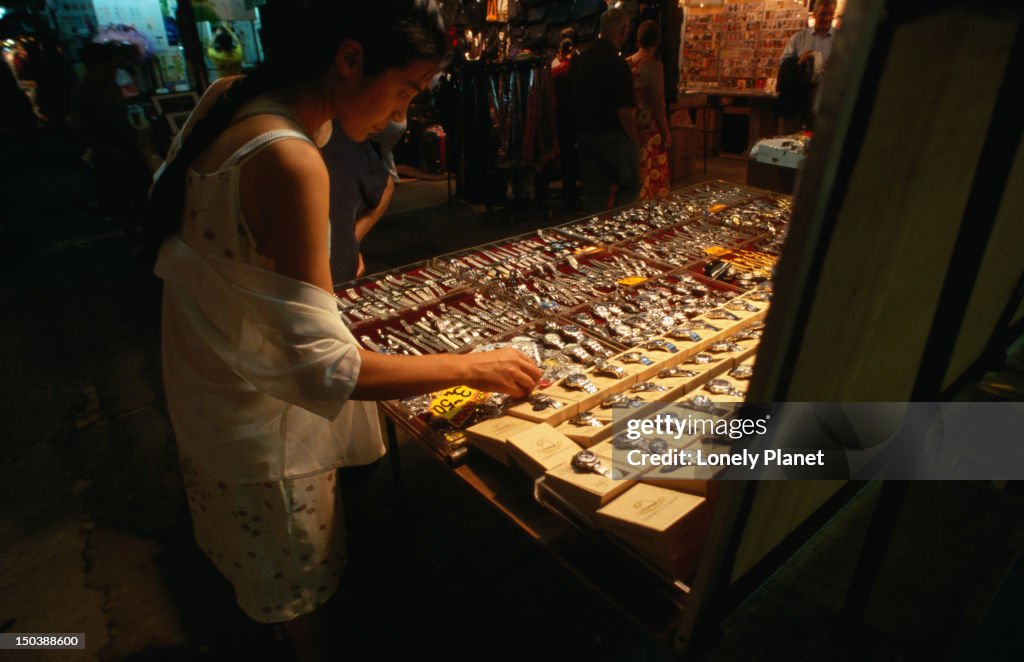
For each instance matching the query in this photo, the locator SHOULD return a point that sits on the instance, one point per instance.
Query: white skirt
(281, 544)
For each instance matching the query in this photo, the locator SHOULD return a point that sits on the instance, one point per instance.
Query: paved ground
(96, 533)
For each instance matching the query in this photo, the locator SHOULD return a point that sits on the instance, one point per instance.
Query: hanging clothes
(504, 118)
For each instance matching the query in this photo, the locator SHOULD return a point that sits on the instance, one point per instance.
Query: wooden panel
(884, 269)
(779, 508)
(1000, 271)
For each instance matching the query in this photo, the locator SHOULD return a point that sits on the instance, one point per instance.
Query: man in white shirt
(804, 45)
(800, 69)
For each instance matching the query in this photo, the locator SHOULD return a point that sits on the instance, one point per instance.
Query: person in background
(651, 119)
(801, 67)
(100, 121)
(568, 155)
(604, 112)
(267, 391)
(563, 54)
(226, 52)
(361, 190)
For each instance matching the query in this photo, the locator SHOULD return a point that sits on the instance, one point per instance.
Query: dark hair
(568, 33)
(648, 34)
(301, 38)
(565, 48)
(223, 42)
(97, 54)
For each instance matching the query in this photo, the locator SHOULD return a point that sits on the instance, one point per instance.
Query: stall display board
(738, 45)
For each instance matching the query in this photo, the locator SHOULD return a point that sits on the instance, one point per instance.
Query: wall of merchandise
(738, 44)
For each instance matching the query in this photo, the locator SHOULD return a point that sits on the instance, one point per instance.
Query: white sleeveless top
(258, 367)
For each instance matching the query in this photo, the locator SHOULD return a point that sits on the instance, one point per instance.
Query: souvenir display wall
(655, 303)
(739, 44)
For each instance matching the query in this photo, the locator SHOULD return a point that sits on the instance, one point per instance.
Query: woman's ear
(348, 61)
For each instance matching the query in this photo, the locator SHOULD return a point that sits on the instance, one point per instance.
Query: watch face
(613, 400)
(702, 402)
(586, 418)
(575, 380)
(552, 340)
(719, 386)
(742, 372)
(658, 447)
(572, 331)
(584, 460)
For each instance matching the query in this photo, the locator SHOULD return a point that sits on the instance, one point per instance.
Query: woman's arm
(384, 377)
(286, 186)
(366, 222)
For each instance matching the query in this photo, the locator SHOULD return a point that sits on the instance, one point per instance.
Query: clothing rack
(500, 116)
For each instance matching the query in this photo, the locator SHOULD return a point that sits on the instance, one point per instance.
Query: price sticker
(632, 280)
(715, 250)
(717, 208)
(456, 404)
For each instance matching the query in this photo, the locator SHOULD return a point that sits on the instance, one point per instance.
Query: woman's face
(367, 104)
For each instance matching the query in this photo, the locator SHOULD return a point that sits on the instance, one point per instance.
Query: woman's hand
(502, 371)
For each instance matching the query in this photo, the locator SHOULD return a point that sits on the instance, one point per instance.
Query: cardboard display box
(666, 526)
(587, 491)
(492, 435)
(540, 448)
(588, 435)
(549, 415)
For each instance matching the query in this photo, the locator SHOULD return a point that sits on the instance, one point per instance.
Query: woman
(264, 384)
(651, 120)
(226, 52)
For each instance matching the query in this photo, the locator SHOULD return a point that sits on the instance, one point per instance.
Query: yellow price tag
(456, 404)
(715, 250)
(718, 207)
(633, 280)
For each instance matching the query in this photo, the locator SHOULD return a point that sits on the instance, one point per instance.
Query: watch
(724, 346)
(585, 320)
(657, 447)
(675, 371)
(577, 353)
(702, 403)
(723, 387)
(577, 381)
(595, 348)
(587, 462)
(740, 304)
(684, 333)
(745, 371)
(701, 324)
(540, 402)
(553, 340)
(721, 314)
(622, 400)
(701, 358)
(586, 418)
(647, 387)
(635, 357)
(572, 332)
(609, 370)
(660, 344)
